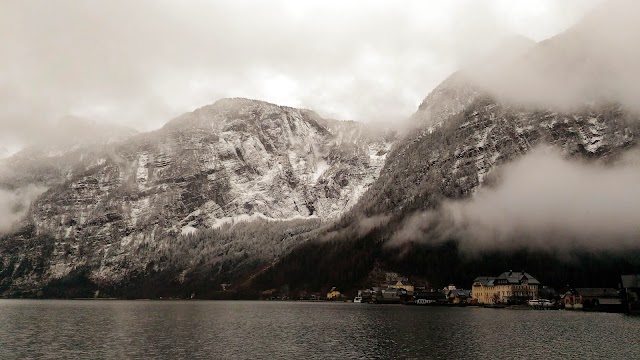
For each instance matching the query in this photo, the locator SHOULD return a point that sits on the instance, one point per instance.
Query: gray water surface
(51, 329)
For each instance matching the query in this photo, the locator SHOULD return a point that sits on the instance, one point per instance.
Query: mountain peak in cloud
(593, 61)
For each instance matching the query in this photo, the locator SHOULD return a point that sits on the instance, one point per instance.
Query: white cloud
(141, 63)
(543, 201)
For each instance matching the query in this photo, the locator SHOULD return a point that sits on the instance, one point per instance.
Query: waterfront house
(430, 296)
(631, 292)
(605, 299)
(482, 290)
(388, 296)
(514, 287)
(401, 283)
(366, 295)
(458, 296)
(333, 294)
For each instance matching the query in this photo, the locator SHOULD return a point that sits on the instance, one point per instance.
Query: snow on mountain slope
(234, 160)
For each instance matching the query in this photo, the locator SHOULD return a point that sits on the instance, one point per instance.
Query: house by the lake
(401, 283)
(429, 296)
(458, 296)
(602, 299)
(514, 287)
(333, 294)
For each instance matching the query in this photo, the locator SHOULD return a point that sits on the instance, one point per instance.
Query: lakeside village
(511, 289)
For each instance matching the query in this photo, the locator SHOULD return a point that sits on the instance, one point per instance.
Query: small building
(333, 294)
(602, 299)
(430, 296)
(631, 292)
(401, 283)
(366, 295)
(458, 296)
(388, 296)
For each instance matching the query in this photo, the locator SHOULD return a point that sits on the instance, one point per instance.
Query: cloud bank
(595, 61)
(544, 202)
(141, 63)
(15, 204)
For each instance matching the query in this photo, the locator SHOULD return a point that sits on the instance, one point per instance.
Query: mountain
(480, 119)
(264, 196)
(461, 88)
(227, 165)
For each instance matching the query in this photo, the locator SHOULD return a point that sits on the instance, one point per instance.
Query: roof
(597, 292)
(609, 301)
(631, 281)
(403, 280)
(516, 277)
(484, 280)
(430, 295)
(460, 292)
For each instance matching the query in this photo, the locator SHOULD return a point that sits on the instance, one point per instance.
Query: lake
(62, 329)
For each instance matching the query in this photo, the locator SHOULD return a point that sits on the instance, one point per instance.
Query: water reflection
(198, 329)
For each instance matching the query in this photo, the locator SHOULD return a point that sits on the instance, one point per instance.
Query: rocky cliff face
(237, 159)
(564, 92)
(453, 160)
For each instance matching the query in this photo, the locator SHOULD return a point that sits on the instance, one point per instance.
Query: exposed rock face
(565, 92)
(555, 92)
(237, 159)
(455, 159)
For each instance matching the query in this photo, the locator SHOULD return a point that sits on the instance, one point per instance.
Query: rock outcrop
(234, 160)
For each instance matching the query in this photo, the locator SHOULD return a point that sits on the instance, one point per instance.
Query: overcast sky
(140, 63)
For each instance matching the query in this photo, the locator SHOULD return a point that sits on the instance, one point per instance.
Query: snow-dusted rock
(234, 160)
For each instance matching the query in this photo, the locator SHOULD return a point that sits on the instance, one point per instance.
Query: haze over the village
(141, 63)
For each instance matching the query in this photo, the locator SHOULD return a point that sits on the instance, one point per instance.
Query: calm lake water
(51, 329)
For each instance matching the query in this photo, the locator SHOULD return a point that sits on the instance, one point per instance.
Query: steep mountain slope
(461, 88)
(72, 146)
(452, 162)
(124, 218)
(71, 142)
(235, 160)
(553, 93)
(570, 91)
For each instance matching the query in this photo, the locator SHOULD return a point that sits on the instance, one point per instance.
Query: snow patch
(255, 216)
(142, 173)
(321, 167)
(188, 230)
